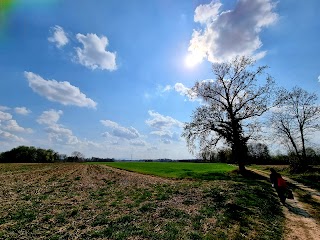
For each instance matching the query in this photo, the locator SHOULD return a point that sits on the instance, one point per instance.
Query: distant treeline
(26, 154)
(258, 153)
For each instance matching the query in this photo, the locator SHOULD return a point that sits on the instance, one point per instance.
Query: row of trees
(26, 154)
(233, 104)
(258, 153)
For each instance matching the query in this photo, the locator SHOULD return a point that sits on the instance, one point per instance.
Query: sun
(191, 60)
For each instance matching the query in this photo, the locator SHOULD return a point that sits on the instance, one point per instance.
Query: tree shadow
(297, 210)
(205, 176)
(234, 175)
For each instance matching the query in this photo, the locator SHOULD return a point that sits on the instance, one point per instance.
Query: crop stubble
(78, 201)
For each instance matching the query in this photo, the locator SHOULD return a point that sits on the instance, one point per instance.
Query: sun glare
(191, 60)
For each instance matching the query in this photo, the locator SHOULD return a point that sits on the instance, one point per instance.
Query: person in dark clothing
(279, 184)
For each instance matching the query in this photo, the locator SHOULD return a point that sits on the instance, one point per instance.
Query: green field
(209, 171)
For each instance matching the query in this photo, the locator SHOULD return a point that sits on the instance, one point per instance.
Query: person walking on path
(279, 184)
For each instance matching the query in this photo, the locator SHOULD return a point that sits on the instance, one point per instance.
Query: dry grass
(78, 201)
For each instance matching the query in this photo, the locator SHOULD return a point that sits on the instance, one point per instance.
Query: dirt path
(300, 224)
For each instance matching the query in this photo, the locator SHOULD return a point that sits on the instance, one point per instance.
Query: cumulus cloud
(206, 12)
(94, 54)
(184, 91)
(61, 134)
(12, 125)
(58, 36)
(22, 110)
(56, 132)
(62, 92)
(226, 34)
(4, 108)
(9, 125)
(5, 116)
(9, 136)
(165, 127)
(50, 117)
(119, 131)
(167, 136)
(159, 121)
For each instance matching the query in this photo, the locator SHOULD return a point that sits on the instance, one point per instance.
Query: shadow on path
(297, 210)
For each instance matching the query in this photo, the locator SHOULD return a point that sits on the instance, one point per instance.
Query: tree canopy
(25, 154)
(295, 118)
(231, 104)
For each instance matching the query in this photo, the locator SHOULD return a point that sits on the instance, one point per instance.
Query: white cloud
(165, 127)
(12, 125)
(9, 136)
(22, 110)
(94, 54)
(167, 135)
(128, 133)
(9, 125)
(184, 91)
(5, 116)
(161, 122)
(119, 131)
(227, 34)
(207, 12)
(167, 88)
(62, 92)
(4, 108)
(59, 37)
(61, 134)
(56, 132)
(139, 143)
(49, 117)
(318, 80)
(109, 123)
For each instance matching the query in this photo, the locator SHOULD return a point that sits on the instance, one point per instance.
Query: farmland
(175, 169)
(88, 201)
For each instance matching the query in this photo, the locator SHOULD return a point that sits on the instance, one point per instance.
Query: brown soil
(79, 201)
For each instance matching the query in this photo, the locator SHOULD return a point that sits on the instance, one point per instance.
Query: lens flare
(7, 7)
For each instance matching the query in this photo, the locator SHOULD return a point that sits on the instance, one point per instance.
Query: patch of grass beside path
(208, 171)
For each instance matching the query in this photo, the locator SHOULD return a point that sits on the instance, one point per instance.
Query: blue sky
(110, 78)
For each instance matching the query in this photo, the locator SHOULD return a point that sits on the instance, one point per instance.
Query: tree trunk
(242, 168)
(239, 153)
(304, 155)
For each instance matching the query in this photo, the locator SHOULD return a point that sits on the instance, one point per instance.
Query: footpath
(299, 223)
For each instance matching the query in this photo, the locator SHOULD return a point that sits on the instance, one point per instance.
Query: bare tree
(258, 153)
(295, 119)
(232, 102)
(79, 157)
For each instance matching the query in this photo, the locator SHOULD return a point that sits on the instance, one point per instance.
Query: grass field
(176, 169)
(87, 201)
